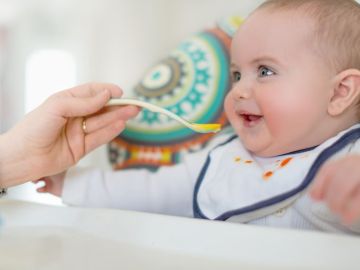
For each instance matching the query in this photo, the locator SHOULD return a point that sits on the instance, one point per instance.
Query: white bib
(238, 185)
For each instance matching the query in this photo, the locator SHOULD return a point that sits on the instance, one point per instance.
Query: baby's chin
(271, 151)
(264, 145)
(254, 147)
(264, 154)
(266, 151)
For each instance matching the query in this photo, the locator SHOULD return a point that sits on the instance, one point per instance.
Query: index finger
(92, 89)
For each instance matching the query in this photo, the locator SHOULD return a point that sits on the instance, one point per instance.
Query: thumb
(71, 106)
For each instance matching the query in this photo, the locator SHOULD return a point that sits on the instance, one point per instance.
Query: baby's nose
(241, 91)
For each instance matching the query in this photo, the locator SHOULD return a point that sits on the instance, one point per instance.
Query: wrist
(14, 166)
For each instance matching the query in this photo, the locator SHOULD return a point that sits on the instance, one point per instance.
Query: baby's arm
(168, 191)
(338, 185)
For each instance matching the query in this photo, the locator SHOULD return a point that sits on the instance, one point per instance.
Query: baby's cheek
(229, 107)
(281, 119)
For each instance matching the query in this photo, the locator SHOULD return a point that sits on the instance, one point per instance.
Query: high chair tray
(35, 236)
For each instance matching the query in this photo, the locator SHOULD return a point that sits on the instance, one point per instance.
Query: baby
(293, 106)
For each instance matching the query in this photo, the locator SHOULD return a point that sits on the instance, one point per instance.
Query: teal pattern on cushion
(180, 84)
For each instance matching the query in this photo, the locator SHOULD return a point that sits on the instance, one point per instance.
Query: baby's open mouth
(250, 120)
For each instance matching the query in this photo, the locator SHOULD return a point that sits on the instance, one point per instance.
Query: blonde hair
(337, 28)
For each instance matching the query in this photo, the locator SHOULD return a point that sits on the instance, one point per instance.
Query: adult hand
(51, 138)
(338, 185)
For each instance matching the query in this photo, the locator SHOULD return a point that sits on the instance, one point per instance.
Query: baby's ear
(346, 91)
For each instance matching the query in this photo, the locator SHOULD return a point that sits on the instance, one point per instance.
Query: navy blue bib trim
(299, 151)
(323, 156)
(196, 209)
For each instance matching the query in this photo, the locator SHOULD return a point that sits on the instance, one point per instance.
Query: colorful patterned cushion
(191, 82)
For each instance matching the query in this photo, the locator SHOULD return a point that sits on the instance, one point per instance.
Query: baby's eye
(264, 71)
(236, 76)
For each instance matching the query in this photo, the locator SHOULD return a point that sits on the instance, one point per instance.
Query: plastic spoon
(200, 128)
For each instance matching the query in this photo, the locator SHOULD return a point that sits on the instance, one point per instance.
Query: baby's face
(281, 86)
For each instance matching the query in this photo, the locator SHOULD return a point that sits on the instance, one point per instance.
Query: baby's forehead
(332, 27)
(281, 37)
(264, 25)
(267, 17)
